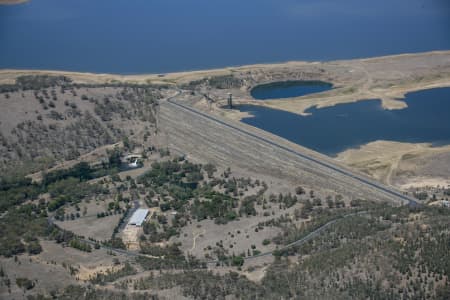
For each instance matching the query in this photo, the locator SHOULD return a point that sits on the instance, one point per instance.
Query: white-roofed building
(138, 217)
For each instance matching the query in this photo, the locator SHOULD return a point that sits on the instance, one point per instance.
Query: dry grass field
(219, 192)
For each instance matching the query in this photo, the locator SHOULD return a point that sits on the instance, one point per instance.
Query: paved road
(298, 242)
(395, 194)
(309, 236)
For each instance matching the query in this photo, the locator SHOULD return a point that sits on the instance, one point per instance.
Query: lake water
(334, 129)
(139, 36)
(287, 89)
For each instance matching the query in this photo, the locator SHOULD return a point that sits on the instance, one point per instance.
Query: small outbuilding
(138, 217)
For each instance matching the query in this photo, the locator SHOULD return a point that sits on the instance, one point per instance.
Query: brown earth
(404, 165)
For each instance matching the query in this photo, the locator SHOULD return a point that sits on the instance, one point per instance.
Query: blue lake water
(287, 89)
(334, 129)
(138, 36)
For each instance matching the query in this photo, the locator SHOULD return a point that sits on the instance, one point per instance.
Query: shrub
(24, 283)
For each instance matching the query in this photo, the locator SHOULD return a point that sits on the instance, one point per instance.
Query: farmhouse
(138, 217)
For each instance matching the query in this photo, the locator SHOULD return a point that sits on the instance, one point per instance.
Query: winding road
(394, 194)
(298, 242)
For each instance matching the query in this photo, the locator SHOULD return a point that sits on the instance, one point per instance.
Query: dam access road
(386, 78)
(230, 143)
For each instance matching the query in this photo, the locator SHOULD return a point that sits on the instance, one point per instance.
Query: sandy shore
(387, 78)
(404, 165)
(12, 1)
(8, 76)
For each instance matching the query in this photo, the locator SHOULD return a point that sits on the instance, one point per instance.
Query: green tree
(34, 247)
(237, 261)
(299, 190)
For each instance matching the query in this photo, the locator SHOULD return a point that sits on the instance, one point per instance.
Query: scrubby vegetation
(25, 213)
(19, 229)
(218, 82)
(92, 293)
(186, 191)
(169, 257)
(69, 119)
(35, 82)
(389, 253)
(110, 276)
(381, 253)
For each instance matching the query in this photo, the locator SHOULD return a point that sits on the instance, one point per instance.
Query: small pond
(288, 89)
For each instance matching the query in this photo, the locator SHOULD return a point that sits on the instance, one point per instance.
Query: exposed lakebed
(334, 129)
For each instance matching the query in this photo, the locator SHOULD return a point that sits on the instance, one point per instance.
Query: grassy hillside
(47, 118)
(64, 233)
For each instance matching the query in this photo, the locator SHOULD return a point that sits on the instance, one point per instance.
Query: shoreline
(400, 164)
(214, 69)
(12, 2)
(387, 78)
(390, 104)
(11, 73)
